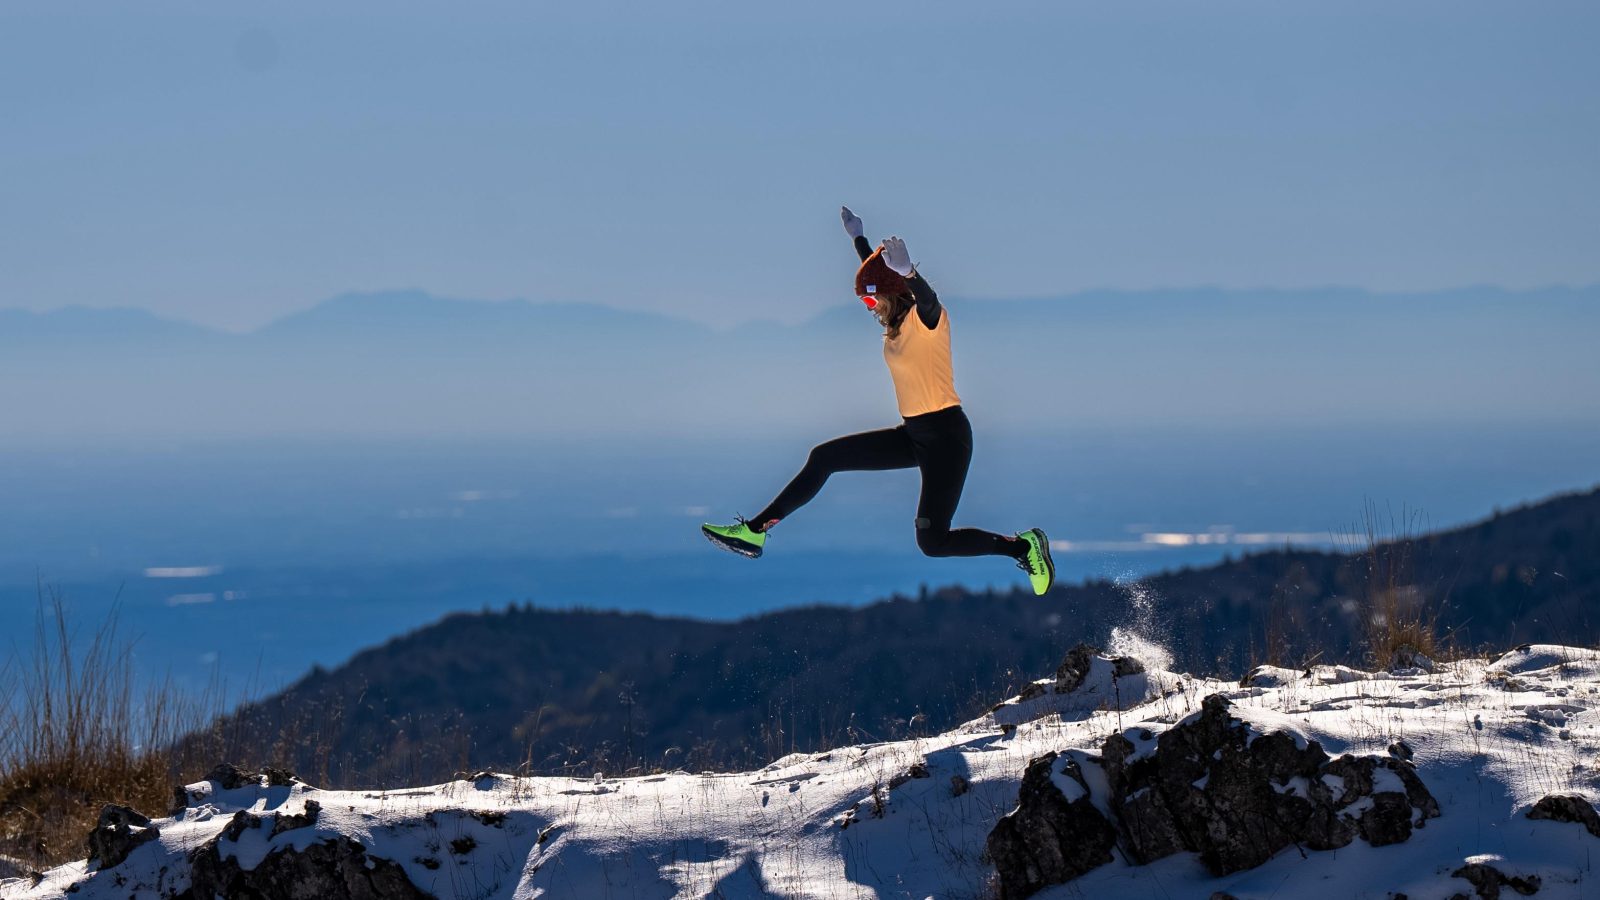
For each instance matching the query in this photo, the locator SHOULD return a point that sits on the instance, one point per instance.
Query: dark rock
(463, 845)
(1389, 818)
(242, 821)
(1148, 826)
(283, 822)
(229, 776)
(118, 832)
(1217, 781)
(1388, 821)
(1567, 808)
(1047, 839)
(916, 770)
(1416, 792)
(1401, 750)
(1075, 667)
(1123, 666)
(1212, 785)
(1487, 881)
(279, 777)
(1236, 796)
(959, 785)
(339, 869)
(1031, 690)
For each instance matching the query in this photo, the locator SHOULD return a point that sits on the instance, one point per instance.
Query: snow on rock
(1337, 674)
(119, 831)
(1237, 787)
(1054, 835)
(1271, 677)
(1567, 808)
(1487, 878)
(1087, 680)
(912, 819)
(1531, 658)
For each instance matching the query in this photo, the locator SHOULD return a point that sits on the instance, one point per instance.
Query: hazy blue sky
(229, 163)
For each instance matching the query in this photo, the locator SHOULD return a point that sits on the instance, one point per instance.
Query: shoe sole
(1044, 550)
(730, 545)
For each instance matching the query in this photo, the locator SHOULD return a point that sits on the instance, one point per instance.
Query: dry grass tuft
(76, 734)
(1401, 625)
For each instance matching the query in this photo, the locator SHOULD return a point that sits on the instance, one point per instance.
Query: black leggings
(938, 443)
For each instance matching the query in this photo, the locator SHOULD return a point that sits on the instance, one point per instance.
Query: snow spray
(1143, 635)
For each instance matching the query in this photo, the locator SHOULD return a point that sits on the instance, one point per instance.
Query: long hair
(889, 288)
(891, 312)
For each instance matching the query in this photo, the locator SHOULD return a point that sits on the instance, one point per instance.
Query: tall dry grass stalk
(1400, 620)
(77, 733)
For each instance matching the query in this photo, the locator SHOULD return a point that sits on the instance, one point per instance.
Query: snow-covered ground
(909, 819)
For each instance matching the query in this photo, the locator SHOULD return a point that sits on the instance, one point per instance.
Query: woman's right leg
(886, 448)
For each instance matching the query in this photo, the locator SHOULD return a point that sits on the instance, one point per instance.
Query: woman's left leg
(943, 445)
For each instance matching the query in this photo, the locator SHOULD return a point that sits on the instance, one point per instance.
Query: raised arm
(899, 259)
(854, 228)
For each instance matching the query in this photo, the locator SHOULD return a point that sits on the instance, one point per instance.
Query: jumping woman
(934, 434)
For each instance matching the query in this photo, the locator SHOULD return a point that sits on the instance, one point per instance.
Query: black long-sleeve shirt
(928, 307)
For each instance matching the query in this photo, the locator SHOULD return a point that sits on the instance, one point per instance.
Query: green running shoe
(740, 538)
(1040, 568)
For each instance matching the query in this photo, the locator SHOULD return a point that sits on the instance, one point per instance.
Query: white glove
(896, 256)
(852, 222)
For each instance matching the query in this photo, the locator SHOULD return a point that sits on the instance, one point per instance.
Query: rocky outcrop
(286, 822)
(339, 869)
(1233, 790)
(118, 832)
(1567, 808)
(230, 777)
(1049, 838)
(335, 869)
(1236, 793)
(1085, 681)
(1074, 668)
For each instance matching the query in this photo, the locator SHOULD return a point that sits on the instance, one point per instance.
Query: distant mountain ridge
(352, 315)
(410, 364)
(423, 307)
(84, 321)
(580, 690)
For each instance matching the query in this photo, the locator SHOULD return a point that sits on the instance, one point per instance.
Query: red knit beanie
(875, 278)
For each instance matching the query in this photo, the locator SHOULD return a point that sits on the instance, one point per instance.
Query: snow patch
(1538, 657)
(772, 832)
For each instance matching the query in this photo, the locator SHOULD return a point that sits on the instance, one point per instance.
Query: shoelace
(1024, 563)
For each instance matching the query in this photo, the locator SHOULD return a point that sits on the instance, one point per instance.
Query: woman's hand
(896, 256)
(852, 222)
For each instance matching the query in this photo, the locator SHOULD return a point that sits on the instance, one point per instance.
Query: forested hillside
(577, 690)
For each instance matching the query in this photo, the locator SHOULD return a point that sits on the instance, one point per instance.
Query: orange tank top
(919, 363)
